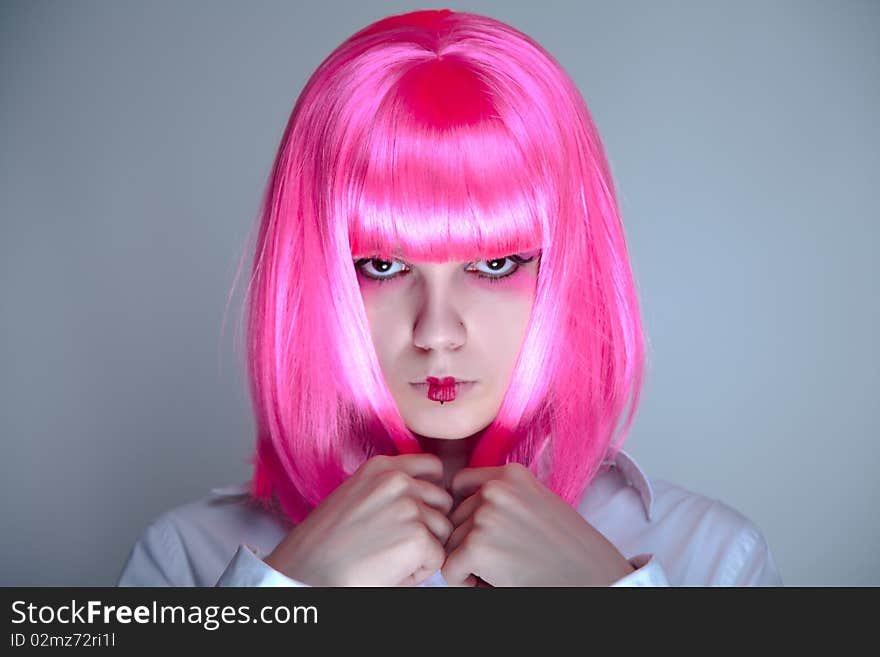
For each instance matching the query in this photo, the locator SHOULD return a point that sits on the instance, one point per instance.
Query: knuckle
(420, 536)
(374, 464)
(407, 507)
(448, 528)
(445, 497)
(394, 481)
(516, 470)
(493, 490)
(484, 516)
(432, 458)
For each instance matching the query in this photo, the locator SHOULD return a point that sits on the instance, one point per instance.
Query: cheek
(383, 317)
(503, 319)
(378, 300)
(511, 298)
(520, 285)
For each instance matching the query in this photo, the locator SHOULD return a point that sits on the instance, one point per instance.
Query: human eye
(380, 269)
(501, 268)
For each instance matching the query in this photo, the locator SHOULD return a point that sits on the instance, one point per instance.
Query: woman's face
(458, 319)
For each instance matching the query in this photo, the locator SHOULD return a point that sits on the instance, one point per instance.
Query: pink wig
(437, 135)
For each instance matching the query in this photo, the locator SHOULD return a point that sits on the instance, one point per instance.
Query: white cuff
(248, 569)
(648, 572)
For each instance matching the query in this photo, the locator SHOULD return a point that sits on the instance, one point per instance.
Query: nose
(438, 325)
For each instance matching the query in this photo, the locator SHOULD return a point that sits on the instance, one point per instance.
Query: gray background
(136, 139)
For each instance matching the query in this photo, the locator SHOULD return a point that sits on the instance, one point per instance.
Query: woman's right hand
(386, 525)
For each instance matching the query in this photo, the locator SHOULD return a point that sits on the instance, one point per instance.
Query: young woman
(443, 334)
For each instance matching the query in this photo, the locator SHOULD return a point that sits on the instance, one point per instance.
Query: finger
(417, 577)
(382, 485)
(431, 557)
(437, 523)
(468, 480)
(432, 495)
(458, 568)
(458, 535)
(465, 509)
(420, 466)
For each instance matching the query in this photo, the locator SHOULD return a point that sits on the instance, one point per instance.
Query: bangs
(442, 178)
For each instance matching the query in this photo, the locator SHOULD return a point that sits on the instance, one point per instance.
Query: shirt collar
(234, 490)
(623, 462)
(626, 464)
(635, 477)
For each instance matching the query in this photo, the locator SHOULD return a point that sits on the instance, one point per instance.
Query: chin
(446, 429)
(442, 432)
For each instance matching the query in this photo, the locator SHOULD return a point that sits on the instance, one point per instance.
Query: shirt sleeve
(157, 559)
(648, 572)
(748, 561)
(247, 568)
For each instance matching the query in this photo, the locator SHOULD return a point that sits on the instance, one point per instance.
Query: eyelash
(491, 279)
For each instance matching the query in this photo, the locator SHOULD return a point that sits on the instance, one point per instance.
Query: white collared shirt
(670, 535)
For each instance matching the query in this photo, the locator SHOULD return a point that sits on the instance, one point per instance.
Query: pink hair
(437, 135)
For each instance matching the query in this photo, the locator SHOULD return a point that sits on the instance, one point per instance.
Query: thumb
(417, 577)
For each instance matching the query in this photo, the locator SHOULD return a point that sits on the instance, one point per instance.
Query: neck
(454, 452)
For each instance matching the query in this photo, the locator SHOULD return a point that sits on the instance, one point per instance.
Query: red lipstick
(441, 390)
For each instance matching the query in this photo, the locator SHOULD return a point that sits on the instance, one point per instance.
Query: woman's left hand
(511, 530)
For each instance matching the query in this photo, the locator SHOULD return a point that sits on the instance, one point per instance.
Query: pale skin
(398, 519)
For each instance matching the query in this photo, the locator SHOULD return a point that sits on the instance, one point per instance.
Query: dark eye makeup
(385, 265)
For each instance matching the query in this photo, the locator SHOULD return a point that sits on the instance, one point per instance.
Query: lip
(442, 393)
(444, 380)
(441, 380)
